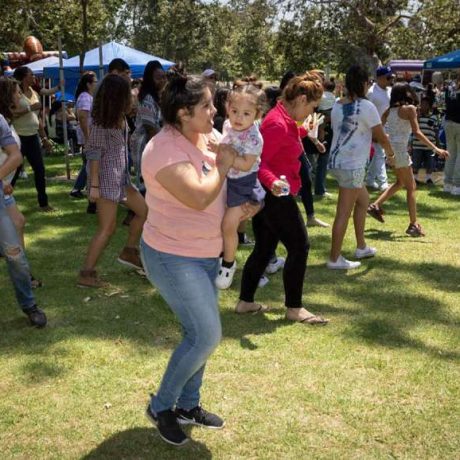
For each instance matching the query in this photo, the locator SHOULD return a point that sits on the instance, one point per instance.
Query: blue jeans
(321, 171)
(376, 172)
(82, 177)
(18, 267)
(187, 285)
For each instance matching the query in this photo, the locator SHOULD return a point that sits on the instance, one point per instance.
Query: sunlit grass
(380, 381)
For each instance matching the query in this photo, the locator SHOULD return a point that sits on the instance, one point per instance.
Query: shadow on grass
(138, 314)
(145, 443)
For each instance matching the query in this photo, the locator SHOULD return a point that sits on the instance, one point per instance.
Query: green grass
(380, 381)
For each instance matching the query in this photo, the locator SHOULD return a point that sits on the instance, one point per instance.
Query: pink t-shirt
(171, 226)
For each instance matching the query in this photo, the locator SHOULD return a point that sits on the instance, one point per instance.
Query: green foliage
(241, 37)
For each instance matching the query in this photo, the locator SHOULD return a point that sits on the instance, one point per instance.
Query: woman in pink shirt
(181, 243)
(280, 219)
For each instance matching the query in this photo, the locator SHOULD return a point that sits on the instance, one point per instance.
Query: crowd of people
(194, 162)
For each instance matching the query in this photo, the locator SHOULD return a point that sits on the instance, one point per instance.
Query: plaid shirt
(109, 147)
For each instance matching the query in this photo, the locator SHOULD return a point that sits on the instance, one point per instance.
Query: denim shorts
(349, 178)
(9, 200)
(246, 189)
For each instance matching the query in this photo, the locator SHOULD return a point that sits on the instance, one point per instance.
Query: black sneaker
(429, 182)
(92, 208)
(77, 194)
(199, 416)
(168, 428)
(36, 317)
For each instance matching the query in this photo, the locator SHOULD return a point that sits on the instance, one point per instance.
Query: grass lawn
(380, 381)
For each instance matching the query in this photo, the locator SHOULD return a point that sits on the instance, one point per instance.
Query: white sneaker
(273, 267)
(23, 174)
(455, 191)
(365, 252)
(447, 188)
(263, 281)
(225, 276)
(342, 264)
(383, 187)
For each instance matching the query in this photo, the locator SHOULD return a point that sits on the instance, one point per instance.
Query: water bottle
(286, 188)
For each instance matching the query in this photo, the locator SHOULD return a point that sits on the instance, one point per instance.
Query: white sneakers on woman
(343, 264)
(225, 276)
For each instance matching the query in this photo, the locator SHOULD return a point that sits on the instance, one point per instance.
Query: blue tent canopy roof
(445, 62)
(136, 60)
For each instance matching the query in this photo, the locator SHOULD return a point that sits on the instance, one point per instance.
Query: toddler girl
(245, 105)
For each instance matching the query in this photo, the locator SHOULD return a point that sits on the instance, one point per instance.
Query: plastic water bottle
(286, 188)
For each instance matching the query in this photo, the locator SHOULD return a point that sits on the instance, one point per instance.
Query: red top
(282, 149)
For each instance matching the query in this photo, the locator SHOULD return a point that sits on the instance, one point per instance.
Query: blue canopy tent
(447, 61)
(37, 66)
(137, 60)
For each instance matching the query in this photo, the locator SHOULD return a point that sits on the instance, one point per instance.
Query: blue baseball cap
(383, 70)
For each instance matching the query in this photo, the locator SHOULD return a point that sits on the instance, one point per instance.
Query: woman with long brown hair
(280, 219)
(108, 177)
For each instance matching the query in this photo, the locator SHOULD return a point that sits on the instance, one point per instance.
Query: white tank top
(398, 129)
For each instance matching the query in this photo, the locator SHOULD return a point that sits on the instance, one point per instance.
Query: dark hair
(252, 87)
(402, 94)
(181, 92)
(21, 72)
(309, 84)
(7, 88)
(85, 80)
(118, 64)
(220, 99)
(329, 85)
(289, 75)
(427, 100)
(55, 107)
(111, 102)
(272, 94)
(355, 81)
(148, 85)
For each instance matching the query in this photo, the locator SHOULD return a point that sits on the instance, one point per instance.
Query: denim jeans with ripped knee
(18, 266)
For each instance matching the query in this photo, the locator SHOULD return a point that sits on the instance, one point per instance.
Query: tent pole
(64, 112)
(101, 62)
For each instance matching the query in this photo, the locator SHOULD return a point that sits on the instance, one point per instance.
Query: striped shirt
(429, 126)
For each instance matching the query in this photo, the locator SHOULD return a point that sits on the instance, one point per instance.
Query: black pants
(31, 149)
(279, 220)
(306, 194)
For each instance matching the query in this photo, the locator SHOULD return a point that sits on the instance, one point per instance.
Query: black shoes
(168, 422)
(36, 317)
(77, 194)
(92, 208)
(199, 416)
(168, 427)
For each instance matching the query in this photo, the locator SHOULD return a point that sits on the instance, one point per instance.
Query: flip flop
(313, 320)
(261, 309)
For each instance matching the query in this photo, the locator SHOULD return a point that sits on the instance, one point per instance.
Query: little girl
(401, 121)
(245, 105)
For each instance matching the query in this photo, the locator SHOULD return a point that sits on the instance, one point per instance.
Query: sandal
(260, 309)
(376, 212)
(313, 320)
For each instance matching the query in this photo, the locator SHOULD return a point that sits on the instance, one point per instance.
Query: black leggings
(306, 194)
(279, 220)
(31, 149)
